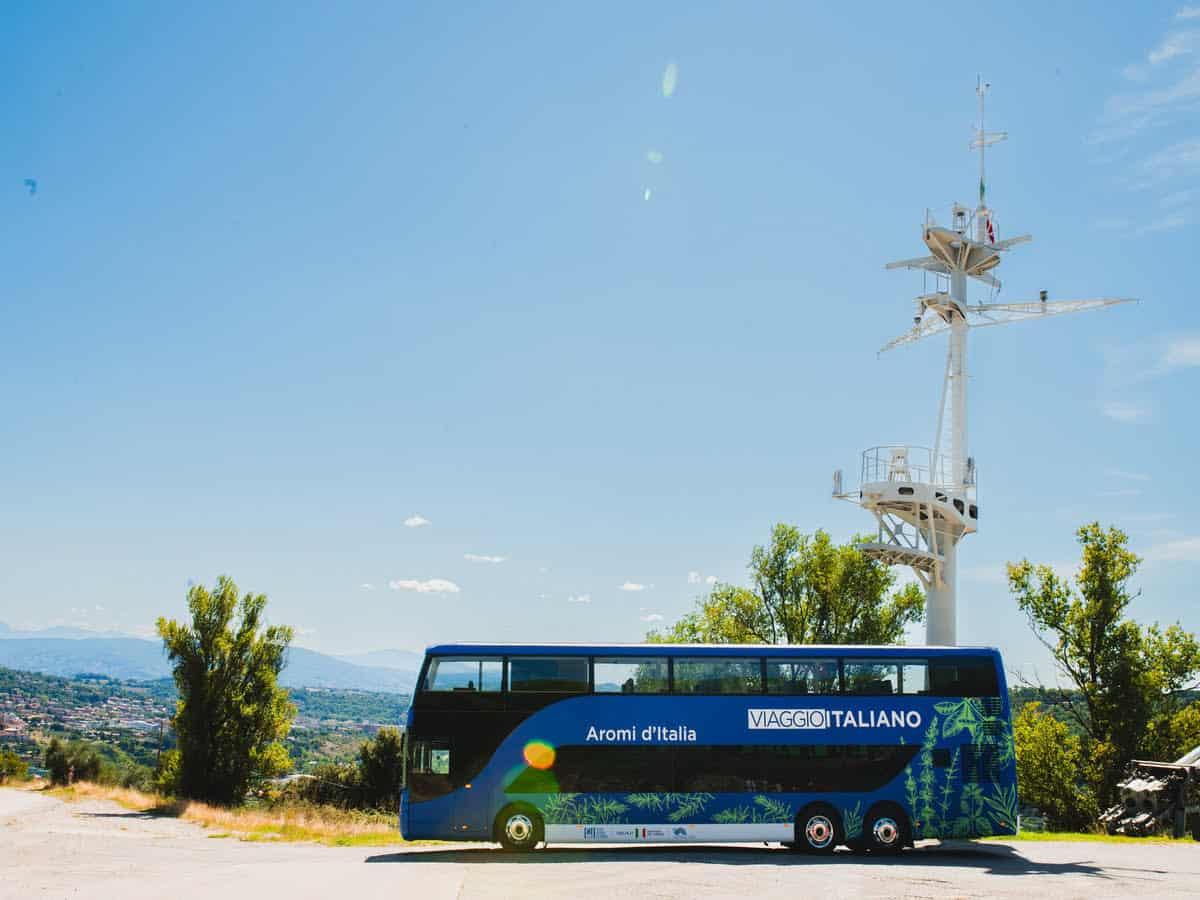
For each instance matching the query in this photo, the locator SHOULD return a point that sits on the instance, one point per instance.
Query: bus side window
(630, 675)
(963, 676)
(802, 676)
(559, 674)
(459, 674)
(871, 676)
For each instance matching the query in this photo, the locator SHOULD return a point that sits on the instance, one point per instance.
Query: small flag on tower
(991, 232)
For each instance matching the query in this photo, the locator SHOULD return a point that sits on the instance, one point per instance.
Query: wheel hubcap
(886, 831)
(518, 828)
(819, 832)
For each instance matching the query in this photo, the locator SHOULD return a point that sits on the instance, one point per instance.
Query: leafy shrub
(12, 767)
(75, 760)
(166, 773)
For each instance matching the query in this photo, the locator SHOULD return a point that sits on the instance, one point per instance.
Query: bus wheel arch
(519, 827)
(886, 828)
(819, 829)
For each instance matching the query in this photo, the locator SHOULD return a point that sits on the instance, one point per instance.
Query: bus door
(432, 805)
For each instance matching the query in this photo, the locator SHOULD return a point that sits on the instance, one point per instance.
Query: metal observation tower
(925, 500)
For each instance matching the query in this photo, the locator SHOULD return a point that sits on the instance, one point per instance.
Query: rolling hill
(134, 659)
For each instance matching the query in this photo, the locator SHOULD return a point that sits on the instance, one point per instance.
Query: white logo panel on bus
(818, 718)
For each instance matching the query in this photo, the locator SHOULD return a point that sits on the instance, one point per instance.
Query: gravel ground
(93, 849)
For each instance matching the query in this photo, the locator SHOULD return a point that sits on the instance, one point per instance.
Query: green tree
(380, 765)
(12, 767)
(1049, 762)
(1126, 677)
(166, 773)
(1171, 736)
(806, 590)
(74, 761)
(231, 712)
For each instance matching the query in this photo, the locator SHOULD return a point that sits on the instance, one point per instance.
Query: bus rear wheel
(519, 828)
(818, 829)
(885, 829)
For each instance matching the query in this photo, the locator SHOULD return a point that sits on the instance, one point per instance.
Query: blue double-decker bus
(811, 746)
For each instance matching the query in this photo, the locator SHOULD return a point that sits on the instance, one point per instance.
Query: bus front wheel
(818, 829)
(885, 829)
(519, 828)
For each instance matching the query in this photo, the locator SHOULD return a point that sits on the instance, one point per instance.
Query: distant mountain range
(72, 651)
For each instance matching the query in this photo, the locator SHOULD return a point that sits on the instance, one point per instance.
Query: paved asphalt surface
(98, 850)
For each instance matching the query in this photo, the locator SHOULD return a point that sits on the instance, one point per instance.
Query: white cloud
(1188, 12)
(1135, 111)
(579, 598)
(711, 579)
(670, 79)
(693, 577)
(1183, 550)
(1129, 476)
(416, 521)
(1179, 159)
(632, 586)
(1183, 352)
(1120, 492)
(475, 557)
(1175, 44)
(651, 617)
(431, 586)
(1169, 222)
(1126, 413)
(366, 587)
(301, 631)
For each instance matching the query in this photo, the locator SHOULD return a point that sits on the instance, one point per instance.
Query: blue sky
(295, 274)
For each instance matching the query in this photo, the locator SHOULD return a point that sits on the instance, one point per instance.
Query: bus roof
(699, 649)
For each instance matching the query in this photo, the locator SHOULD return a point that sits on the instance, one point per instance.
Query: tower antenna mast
(925, 501)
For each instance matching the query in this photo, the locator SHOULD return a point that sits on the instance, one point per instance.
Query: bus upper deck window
(964, 676)
(551, 674)
(463, 674)
(712, 675)
(802, 676)
(631, 675)
(871, 676)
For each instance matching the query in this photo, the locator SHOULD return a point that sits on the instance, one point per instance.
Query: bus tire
(818, 829)
(519, 828)
(886, 829)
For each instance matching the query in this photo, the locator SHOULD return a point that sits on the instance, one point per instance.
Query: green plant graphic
(687, 806)
(560, 809)
(973, 821)
(646, 801)
(852, 819)
(602, 811)
(948, 789)
(735, 815)
(1003, 807)
(773, 810)
(961, 715)
(925, 780)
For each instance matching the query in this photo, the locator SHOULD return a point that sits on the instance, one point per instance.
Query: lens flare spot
(539, 754)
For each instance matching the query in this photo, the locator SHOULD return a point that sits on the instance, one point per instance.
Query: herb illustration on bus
(813, 747)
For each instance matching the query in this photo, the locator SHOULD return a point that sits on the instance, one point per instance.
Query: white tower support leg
(940, 626)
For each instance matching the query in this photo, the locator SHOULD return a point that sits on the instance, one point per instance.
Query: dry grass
(321, 824)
